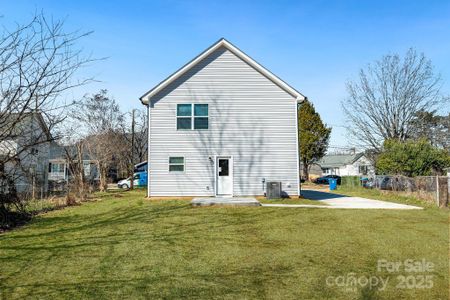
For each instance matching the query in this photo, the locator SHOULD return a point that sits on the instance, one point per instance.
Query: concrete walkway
(341, 201)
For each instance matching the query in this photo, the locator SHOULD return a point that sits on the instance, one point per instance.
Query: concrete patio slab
(225, 201)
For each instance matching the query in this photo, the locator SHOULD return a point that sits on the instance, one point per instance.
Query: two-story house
(222, 125)
(24, 151)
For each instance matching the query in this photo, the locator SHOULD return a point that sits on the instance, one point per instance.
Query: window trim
(363, 169)
(176, 164)
(59, 164)
(192, 117)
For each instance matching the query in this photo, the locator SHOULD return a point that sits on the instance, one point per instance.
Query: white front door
(224, 174)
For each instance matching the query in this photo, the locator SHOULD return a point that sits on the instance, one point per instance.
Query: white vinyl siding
(249, 118)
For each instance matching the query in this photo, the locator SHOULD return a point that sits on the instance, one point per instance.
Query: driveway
(341, 201)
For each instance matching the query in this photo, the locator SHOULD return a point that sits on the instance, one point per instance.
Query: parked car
(139, 180)
(325, 179)
(367, 183)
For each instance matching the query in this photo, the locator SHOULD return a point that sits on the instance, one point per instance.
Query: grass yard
(124, 246)
(392, 196)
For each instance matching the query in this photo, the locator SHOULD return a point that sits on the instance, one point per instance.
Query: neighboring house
(59, 171)
(24, 152)
(141, 167)
(356, 164)
(222, 125)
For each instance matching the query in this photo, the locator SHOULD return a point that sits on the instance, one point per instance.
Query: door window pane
(223, 167)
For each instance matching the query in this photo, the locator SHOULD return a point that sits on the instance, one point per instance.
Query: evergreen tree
(314, 136)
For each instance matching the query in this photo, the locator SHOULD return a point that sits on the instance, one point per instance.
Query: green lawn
(124, 246)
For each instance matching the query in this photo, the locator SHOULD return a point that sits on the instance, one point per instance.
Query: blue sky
(315, 46)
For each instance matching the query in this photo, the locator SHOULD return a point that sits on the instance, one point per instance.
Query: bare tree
(384, 100)
(74, 150)
(99, 123)
(140, 136)
(135, 135)
(38, 62)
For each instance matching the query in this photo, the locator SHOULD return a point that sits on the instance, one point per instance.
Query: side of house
(224, 125)
(25, 155)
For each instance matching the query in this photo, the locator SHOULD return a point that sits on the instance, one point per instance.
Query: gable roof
(15, 123)
(236, 51)
(339, 160)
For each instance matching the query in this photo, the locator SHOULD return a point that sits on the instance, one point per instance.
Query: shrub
(350, 181)
(411, 158)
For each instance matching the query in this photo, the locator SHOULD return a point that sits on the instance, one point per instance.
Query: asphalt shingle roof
(338, 160)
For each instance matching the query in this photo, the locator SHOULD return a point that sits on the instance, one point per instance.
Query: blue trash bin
(333, 183)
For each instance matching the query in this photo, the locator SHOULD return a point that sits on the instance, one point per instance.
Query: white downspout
(297, 102)
(298, 154)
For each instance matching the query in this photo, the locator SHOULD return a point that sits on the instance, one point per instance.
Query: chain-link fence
(434, 189)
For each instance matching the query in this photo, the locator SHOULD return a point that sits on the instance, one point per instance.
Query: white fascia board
(222, 42)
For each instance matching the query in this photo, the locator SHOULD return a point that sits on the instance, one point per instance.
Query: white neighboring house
(356, 164)
(222, 125)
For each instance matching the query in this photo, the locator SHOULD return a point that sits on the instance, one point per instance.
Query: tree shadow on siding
(243, 142)
(221, 138)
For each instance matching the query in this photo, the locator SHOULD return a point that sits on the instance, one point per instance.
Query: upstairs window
(192, 116)
(176, 164)
(184, 116)
(200, 116)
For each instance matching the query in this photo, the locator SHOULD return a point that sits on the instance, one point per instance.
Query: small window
(137, 176)
(363, 170)
(176, 164)
(56, 168)
(87, 168)
(192, 116)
